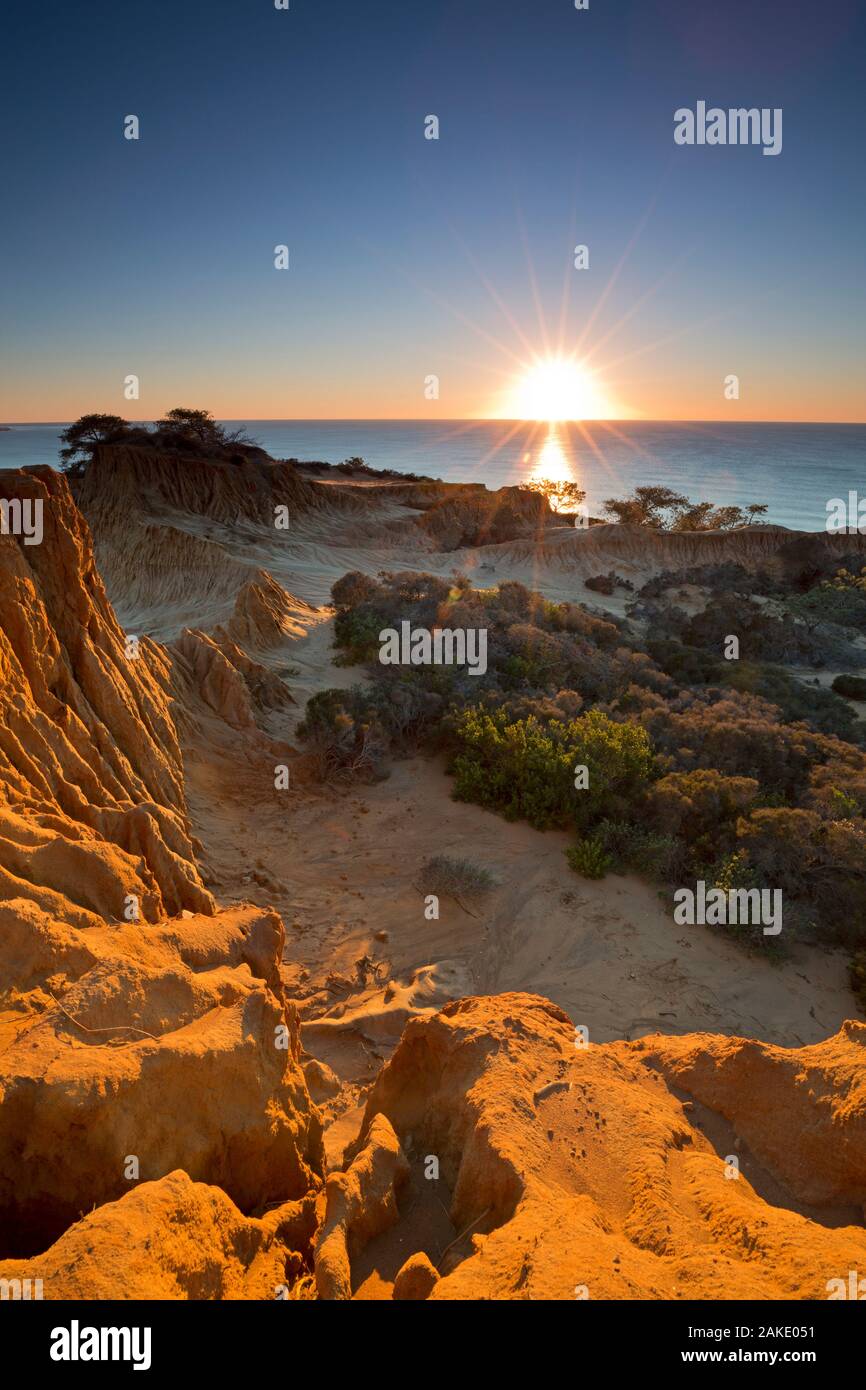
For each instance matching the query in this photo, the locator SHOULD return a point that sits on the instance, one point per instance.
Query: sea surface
(794, 469)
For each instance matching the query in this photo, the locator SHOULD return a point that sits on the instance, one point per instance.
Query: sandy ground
(361, 956)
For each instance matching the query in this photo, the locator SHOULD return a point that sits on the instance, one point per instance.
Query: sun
(558, 388)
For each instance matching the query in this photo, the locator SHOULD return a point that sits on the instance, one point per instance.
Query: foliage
(588, 859)
(197, 430)
(562, 496)
(526, 770)
(356, 633)
(852, 687)
(629, 846)
(814, 860)
(82, 437)
(666, 510)
(736, 772)
(857, 976)
(840, 600)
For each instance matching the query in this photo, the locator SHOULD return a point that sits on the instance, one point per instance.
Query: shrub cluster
(734, 772)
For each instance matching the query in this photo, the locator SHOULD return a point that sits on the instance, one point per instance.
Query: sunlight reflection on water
(552, 462)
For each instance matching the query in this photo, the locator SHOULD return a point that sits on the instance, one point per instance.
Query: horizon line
(465, 420)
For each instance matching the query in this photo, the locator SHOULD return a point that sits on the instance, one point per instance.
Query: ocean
(794, 469)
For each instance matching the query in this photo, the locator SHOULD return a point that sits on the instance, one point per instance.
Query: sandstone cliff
(141, 1031)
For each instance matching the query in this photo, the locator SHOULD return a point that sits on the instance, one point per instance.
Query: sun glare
(558, 388)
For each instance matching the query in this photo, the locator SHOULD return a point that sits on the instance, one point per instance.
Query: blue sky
(412, 257)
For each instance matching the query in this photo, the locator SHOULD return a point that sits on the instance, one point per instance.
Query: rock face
(801, 1112)
(157, 1048)
(140, 1030)
(577, 1172)
(415, 1280)
(173, 1239)
(226, 680)
(91, 792)
(640, 551)
(222, 491)
(265, 613)
(486, 518)
(360, 1204)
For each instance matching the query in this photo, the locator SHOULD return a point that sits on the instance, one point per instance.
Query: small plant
(588, 859)
(455, 878)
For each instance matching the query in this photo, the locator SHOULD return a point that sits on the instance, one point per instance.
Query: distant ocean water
(795, 469)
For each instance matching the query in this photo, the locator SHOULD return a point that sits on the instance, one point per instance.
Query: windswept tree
(665, 510)
(81, 438)
(561, 496)
(197, 429)
(181, 430)
(703, 516)
(647, 506)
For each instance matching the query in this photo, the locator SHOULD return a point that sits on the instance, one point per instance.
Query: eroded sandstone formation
(175, 1239)
(91, 784)
(141, 1031)
(586, 1172)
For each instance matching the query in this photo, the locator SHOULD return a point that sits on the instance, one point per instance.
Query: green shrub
(525, 769)
(649, 852)
(852, 687)
(342, 742)
(735, 872)
(356, 632)
(841, 600)
(588, 859)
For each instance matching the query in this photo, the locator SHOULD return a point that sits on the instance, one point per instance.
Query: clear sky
(409, 257)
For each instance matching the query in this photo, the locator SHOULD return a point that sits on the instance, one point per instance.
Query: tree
(647, 507)
(666, 510)
(561, 496)
(703, 516)
(81, 438)
(197, 429)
